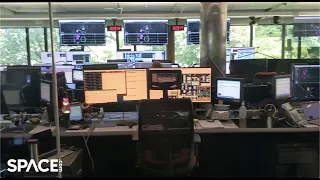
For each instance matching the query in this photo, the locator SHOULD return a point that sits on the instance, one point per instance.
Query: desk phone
(294, 115)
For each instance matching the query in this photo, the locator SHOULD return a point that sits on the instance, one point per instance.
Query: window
(121, 42)
(267, 41)
(97, 53)
(239, 36)
(309, 45)
(185, 55)
(36, 36)
(103, 53)
(13, 45)
(56, 43)
(151, 48)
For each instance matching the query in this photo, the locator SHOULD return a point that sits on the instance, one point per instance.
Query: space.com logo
(22, 165)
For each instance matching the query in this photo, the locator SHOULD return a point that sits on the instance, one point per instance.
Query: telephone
(295, 116)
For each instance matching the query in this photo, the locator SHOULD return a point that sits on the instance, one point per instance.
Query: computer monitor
(45, 91)
(281, 86)
(229, 89)
(77, 75)
(196, 84)
(305, 82)
(110, 86)
(247, 68)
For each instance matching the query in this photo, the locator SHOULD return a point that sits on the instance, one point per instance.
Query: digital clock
(114, 28)
(177, 28)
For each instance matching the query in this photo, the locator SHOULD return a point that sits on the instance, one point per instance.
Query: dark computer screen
(145, 32)
(247, 68)
(22, 85)
(82, 32)
(305, 82)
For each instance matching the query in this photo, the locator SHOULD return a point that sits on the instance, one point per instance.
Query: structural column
(170, 47)
(213, 32)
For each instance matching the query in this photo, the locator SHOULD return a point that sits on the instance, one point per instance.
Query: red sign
(177, 27)
(114, 28)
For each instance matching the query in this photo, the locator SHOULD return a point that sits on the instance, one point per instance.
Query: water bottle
(242, 115)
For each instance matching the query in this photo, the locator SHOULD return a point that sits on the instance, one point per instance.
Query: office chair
(166, 137)
(263, 78)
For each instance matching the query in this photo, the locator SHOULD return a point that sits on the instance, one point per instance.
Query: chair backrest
(166, 131)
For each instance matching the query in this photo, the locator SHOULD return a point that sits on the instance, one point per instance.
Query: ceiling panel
(146, 6)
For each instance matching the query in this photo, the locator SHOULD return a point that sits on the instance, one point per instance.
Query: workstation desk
(223, 152)
(99, 130)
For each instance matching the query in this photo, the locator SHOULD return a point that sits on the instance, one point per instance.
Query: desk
(229, 127)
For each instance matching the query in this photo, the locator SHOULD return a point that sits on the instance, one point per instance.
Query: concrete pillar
(170, 46)
(213, 32)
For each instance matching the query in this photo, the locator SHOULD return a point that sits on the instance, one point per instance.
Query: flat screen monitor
(196, 84)
(305, 82)
(247, 68)
(229, 89)
(145, 32)
(77, 75)
(282, 86)
(82, 32)
(109, 86)
(306, 26)
(45, 91)
(193, 31)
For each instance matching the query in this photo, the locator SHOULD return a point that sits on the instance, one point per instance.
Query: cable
(275, 110)
(86, 144)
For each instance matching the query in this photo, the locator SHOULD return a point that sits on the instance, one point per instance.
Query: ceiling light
(107, 8)
(145, 6)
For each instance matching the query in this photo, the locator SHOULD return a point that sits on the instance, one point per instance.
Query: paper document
(210, 125)
(41, 128)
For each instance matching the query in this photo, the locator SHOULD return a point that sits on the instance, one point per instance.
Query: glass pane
(103, 53)
(36, 44)
(121, 42)
(239, 36)
(56, 42)
(309, 45)
(185, 55)
(151, 48)
(267, 41)
(13, 45)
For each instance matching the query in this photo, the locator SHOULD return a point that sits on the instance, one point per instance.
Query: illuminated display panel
(106, 86)
(196, 84)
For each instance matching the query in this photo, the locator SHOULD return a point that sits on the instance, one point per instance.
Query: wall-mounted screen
(306, 26)
(82, 32)
(145, 32)
(193, 31)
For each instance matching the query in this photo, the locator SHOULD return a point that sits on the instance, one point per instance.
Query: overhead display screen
(82, 32)
(193, 31)
(145, 32)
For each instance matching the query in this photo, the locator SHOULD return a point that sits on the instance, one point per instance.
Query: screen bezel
(87, 20)
(43, 101)
(292, 81)
(181, 68)
(121, 102)
(241, 80)
(274, 88)
(137, 21)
